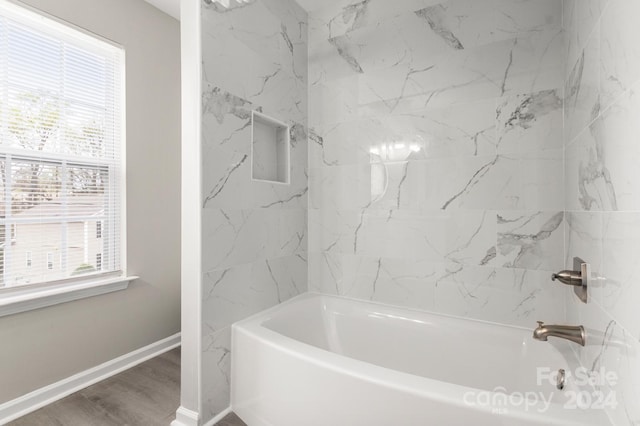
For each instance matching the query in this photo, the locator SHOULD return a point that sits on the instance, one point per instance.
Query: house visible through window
(61, 138)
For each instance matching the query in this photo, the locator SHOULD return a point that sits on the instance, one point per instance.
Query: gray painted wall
(43, 346)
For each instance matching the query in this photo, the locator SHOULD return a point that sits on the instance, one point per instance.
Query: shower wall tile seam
(606, 312)
(602, 113)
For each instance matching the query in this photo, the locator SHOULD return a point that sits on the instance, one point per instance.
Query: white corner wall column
(190, 389)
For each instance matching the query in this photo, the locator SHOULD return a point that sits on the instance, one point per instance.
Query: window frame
(34, 296)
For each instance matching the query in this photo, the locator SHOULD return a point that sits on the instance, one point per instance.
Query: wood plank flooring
(145, 395)
(231, 420)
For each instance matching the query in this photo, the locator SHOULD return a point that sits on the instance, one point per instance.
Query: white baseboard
(25, 404)
(219, 417)
(185, 417)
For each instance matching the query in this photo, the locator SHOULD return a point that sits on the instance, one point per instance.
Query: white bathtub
(327, 361)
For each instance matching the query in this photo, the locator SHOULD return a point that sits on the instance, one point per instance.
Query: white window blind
(61, 137)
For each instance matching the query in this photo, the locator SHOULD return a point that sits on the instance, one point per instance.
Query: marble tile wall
(254, 241)
(436, 155)
(602, 185)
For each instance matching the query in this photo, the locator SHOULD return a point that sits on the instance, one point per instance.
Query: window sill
(29, 299)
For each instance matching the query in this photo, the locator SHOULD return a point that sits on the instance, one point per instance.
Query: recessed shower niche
(269, 149)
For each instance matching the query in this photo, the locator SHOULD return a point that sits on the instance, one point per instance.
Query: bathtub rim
(436, 390)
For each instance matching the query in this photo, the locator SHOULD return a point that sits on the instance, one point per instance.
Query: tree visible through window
(60, 140)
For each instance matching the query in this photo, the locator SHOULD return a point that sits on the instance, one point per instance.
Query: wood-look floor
(146, 395)
(231, 420)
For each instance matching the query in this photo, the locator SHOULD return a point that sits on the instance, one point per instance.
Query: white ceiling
(172, 7)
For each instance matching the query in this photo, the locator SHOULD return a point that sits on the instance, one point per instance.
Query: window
(61, 138)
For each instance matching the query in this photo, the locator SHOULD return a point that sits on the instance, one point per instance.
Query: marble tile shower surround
(436, 153)
(254, 237)
(602, 186)
(441, 138)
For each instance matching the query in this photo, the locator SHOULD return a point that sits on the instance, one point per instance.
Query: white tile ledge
(27, 299)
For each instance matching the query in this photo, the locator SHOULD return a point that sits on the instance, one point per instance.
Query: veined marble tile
(233, 237)
(517, 65)
(345, 16)
(588, 14)
(332, 103)
(226, 179)
(535, 63)
(612, 350)
(226, 121)
(530, 240)
(602, 162)
(619, 50)
(345, 143)
(620, 131)
(621, 354)
(473, 183)
(254, 236)
(541, 176)
(465, 237)
(341, 187)
(530, 123)
(570, 31)
(582, 92)
(506, 295)
(449, 183)
(216, 362)
(455, 77)
(333, 230)
(430, 133)
(395, 281)
(621, 270)
(230, 295)
(227, 175)
(601, 172)
(470, 22)
(254, 78)
(490, 304)
(273, 30)
(399, 234)
(398, 42)
(527, 17)
(588, 183)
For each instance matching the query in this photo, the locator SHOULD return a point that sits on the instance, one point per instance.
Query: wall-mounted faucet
(573, 333)
(578, 278)
(568, 277)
